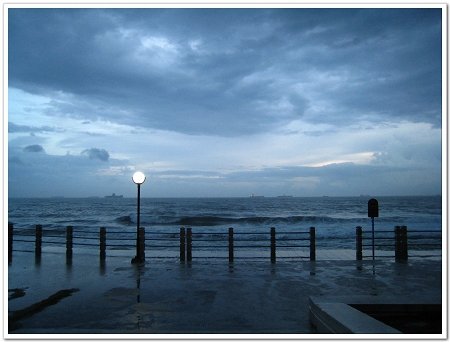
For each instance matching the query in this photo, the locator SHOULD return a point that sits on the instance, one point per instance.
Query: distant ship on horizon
(256, 196)
(285, 196)
(114, 196)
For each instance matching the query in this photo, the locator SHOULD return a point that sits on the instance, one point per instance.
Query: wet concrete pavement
(206, 296)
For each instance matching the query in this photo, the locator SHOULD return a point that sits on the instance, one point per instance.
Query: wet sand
(207, 296)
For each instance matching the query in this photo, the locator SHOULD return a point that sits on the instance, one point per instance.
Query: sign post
(373, 212)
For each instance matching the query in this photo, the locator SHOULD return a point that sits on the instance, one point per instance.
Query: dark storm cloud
(40, 174)
(13, 128)
(33, 148)
(15, 161)
(231, 71)
(347, 178)
(96, 153)
(333, 179)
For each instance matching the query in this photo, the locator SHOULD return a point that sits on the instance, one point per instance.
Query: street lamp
(138, 178)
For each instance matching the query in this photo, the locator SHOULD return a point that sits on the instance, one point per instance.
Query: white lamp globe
(138, 177)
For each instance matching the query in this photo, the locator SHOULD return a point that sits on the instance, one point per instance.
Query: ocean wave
(124, 220)
(267, 220)
(211, 220)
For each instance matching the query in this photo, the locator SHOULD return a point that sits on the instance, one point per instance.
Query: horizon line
(215, 197)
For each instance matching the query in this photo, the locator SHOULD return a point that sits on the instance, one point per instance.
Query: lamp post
(138, 178)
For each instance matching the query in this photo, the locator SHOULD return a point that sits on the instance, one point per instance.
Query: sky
(224, 102)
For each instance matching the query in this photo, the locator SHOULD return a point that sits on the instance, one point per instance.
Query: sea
(334, 218)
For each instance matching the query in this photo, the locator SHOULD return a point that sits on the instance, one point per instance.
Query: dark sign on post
(372, 208)
(372, 212)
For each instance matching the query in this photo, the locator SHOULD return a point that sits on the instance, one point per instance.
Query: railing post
(230, 245)
(102, 244)
(38, 244)
(404, 234)
(182, 244)
(273, 256)
(10, 241)
(142, 243)
(312, 243)
(359, 243)
(189, 244)
(69, 244)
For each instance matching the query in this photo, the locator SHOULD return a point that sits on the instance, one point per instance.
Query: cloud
(41, 175)
(340, 179)
(226, 101)
(33, 148)
(13, 128)
(254, 70)
(96, 153)
(15, 160)
(75, 175)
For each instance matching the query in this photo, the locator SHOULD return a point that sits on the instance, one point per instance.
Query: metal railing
(185, 242)
(189, 244)
(399, 243)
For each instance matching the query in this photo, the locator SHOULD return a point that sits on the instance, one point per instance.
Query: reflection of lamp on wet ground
(138, 178)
